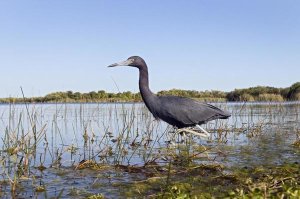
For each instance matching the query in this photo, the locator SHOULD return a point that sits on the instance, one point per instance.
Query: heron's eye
(130, 61)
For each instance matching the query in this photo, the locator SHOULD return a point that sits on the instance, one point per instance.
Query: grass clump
(96, 196)
(273, 182)
(296, 143)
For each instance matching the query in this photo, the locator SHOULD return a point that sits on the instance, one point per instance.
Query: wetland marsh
(118, 150)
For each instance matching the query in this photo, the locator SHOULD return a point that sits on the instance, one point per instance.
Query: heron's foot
(203, 130)
(183, 131)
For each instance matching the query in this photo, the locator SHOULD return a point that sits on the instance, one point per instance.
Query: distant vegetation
(263, 93)
(259, 93)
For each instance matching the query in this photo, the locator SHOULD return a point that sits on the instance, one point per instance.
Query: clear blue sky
(48, 46)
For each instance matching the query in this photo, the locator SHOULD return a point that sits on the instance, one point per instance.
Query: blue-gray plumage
(178, 111)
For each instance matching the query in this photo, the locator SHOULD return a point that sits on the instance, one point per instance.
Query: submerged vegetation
(259, 93)
(211, 181)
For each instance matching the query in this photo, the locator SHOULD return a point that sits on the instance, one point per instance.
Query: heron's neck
(146, 93)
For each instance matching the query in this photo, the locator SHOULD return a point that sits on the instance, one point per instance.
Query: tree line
(258, 93)
(265, 93)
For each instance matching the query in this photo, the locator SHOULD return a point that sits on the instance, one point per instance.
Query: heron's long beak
(122, 63)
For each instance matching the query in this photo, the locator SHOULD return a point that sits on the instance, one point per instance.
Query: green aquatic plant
(212, 181)
(273, 182)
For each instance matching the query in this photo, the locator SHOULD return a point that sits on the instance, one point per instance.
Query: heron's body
(177, 111)
(184, 112)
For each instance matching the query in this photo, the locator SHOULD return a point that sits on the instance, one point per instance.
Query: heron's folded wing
(189, 111)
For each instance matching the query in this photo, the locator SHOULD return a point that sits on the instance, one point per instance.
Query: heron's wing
(188, 111)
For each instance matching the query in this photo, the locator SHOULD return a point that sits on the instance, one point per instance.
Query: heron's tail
(225, 115)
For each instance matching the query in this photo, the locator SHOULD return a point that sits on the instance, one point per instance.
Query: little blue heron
(183, 113)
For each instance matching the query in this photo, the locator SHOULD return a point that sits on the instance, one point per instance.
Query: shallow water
(127, 134)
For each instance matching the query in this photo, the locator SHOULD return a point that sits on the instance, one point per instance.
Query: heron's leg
(187, 130)
(203, 130)
(183, 135)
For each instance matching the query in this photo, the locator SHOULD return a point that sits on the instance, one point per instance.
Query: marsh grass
(297, 141)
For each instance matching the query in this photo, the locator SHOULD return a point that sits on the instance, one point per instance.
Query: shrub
(246, 97)
(270, 97)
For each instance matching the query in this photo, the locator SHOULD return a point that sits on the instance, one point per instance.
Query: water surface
(60, 136)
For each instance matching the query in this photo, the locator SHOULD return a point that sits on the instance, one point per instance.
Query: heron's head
(134, 61)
